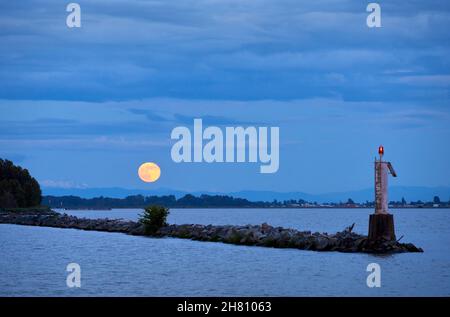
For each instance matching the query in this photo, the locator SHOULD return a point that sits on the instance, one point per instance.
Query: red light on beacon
(381, 150)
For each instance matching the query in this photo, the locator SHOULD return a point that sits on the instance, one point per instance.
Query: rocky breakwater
(256, 235)
(278, 237)
(57, 220)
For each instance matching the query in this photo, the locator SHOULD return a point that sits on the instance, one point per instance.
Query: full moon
(149, 172)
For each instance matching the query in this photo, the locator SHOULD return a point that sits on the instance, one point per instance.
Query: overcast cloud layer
(88, 105)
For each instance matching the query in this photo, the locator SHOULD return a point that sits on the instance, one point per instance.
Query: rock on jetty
(257, 235)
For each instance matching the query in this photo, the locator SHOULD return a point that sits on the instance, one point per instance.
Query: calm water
(33, 260)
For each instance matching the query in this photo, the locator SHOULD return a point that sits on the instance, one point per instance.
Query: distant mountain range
(410, 193)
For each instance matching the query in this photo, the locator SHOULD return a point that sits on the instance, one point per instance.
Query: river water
(33, 260)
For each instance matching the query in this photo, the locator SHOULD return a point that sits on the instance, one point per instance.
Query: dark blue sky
(84, 107)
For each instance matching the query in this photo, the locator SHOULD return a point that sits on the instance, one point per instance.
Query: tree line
(213, 201)
(140, 201)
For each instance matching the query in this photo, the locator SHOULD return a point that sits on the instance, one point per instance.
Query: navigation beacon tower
(381, 223)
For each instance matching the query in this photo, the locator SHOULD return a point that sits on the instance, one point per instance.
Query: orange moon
(149, 172)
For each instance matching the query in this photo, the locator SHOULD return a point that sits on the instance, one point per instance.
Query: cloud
(425, 80)
(62, 184)
(177, 118)
(99, 144)
(212, 120)
(150, 115)
(60, 129)
(241, 50)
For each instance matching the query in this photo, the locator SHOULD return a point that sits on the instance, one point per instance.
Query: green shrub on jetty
(153, 218)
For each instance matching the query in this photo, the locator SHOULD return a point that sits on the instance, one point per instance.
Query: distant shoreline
(220, 201)
(256, 208)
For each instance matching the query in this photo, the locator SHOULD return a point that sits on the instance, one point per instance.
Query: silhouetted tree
(17, 187)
